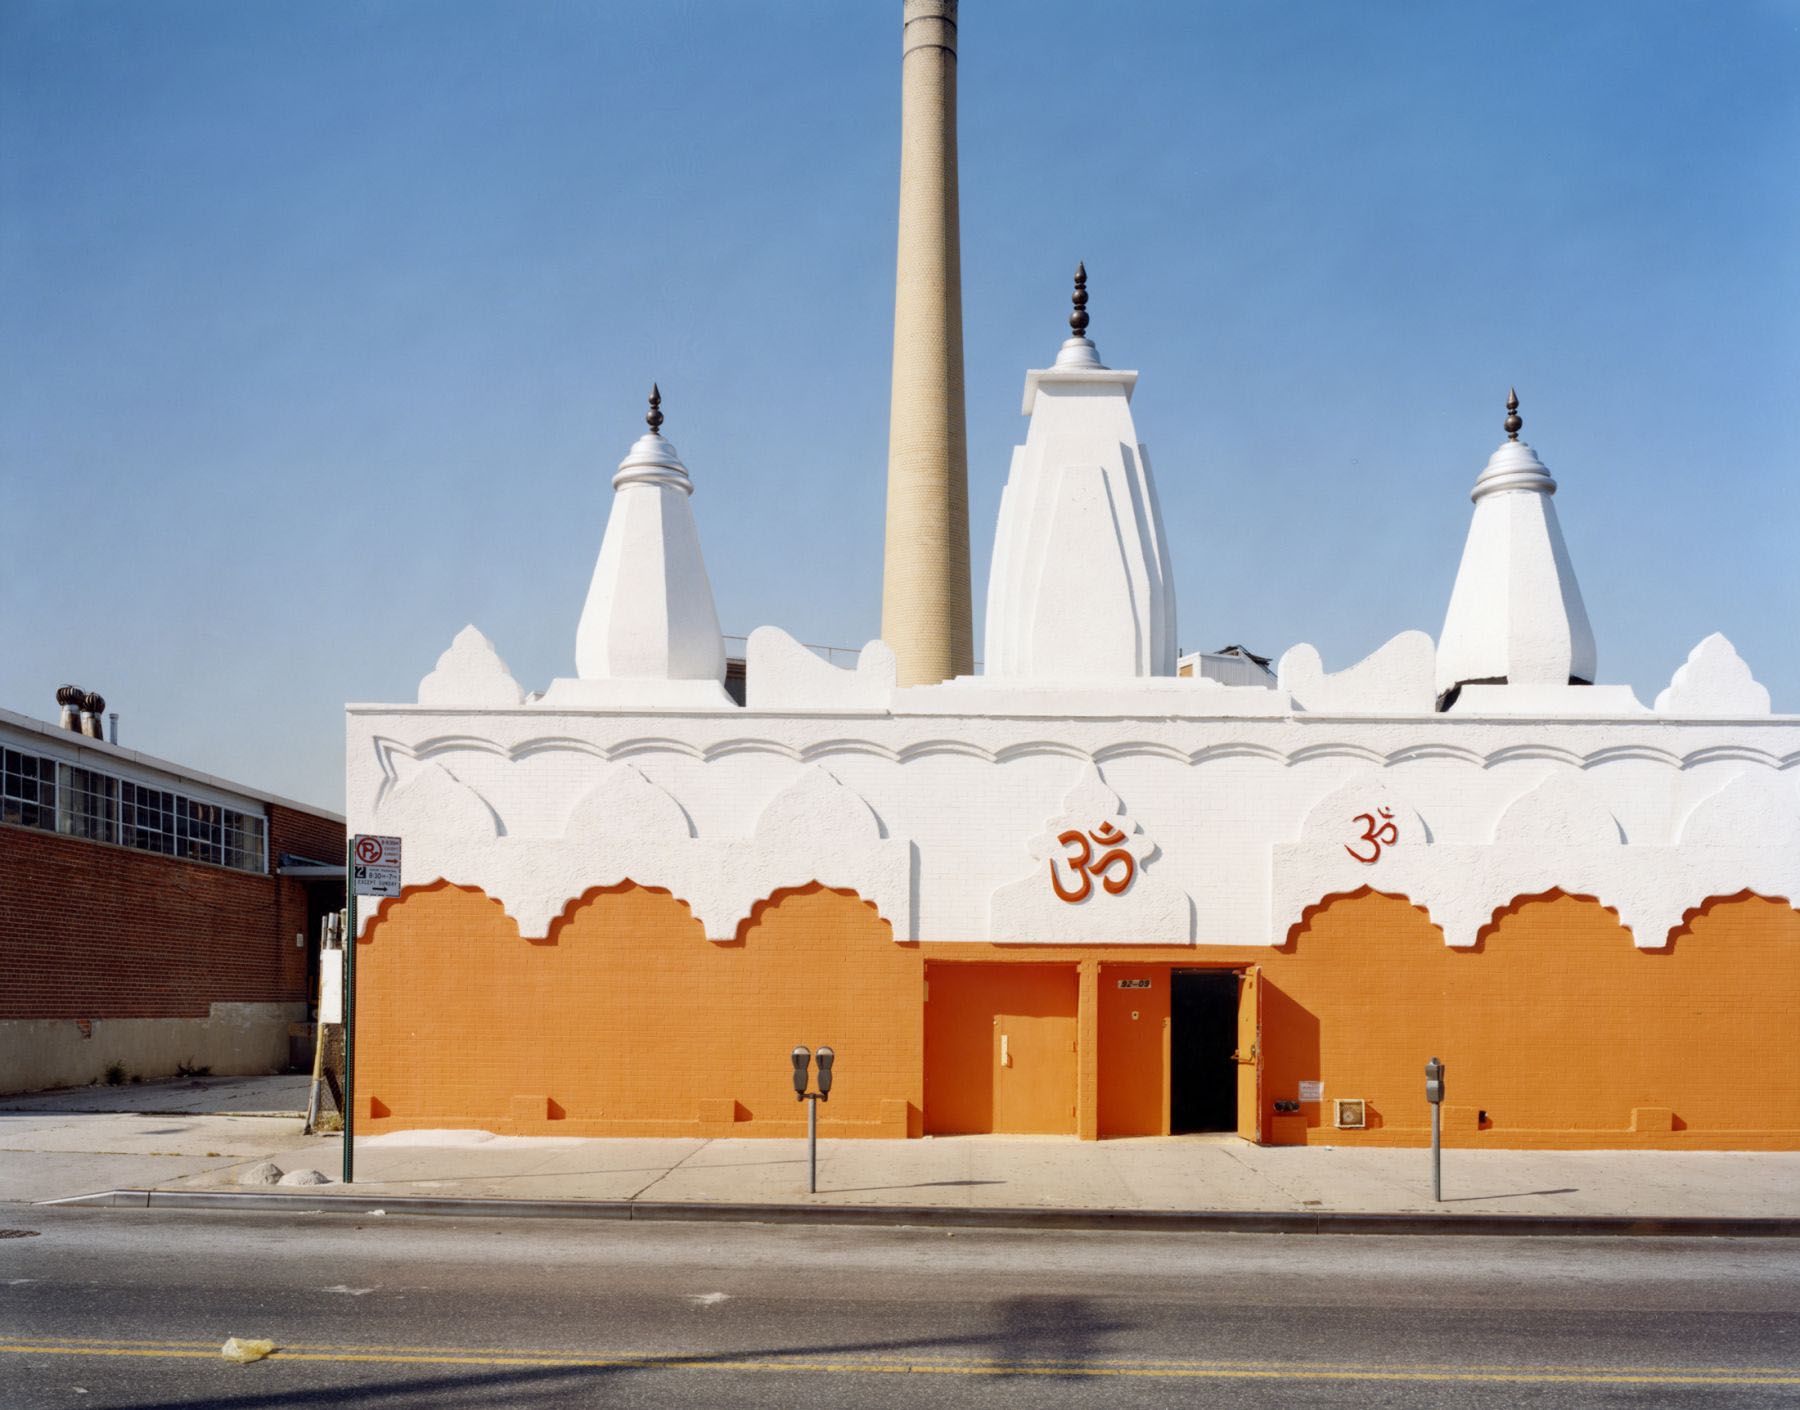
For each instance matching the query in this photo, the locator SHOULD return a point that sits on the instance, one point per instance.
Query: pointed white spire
(1080, 587)
(1516, 615)
(649, 613)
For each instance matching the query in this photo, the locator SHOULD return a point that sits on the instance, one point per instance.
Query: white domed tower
(1516, 615)
(649, 633)
(1080, 589)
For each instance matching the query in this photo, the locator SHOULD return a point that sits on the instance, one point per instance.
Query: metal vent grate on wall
(1351, 1114)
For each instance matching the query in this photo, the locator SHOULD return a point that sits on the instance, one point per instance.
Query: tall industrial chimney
(925, 614)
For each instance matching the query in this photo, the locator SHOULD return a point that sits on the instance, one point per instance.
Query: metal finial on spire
(1078, 320)
(654, 416)
(1513, 422)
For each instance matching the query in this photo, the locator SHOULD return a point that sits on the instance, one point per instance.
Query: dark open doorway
(1203, 1018)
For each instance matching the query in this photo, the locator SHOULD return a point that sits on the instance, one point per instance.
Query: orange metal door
(1134, 1050)
(1034, 1052)
(1250, 1056)
(1000, 1048)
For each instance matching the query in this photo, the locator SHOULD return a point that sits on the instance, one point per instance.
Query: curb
(1203, 1221)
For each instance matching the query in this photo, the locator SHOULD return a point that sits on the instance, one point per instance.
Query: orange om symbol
(1085, 866)
(1377, 835)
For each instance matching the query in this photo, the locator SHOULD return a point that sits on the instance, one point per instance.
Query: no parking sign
(375, 865)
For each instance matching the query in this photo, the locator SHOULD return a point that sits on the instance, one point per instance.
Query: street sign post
(371, 868)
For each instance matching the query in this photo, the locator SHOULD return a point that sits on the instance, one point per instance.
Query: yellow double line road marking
(902, 1364)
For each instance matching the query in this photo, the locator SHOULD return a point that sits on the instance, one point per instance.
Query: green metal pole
(350, 1011)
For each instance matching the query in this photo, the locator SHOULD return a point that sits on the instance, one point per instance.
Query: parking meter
(826, 1056)
(1434, 1093)
(802, 1058)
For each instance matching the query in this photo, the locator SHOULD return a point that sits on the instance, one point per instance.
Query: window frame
(51, 794)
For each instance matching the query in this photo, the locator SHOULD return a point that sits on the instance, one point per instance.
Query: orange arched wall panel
(1556, 1030)
(627, 1021)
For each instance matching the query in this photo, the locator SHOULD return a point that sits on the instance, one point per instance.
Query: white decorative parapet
(1080, 587)
(1559, 835)
(933, 816)
(1714, 681)
(781, 674)
(470, 676)
(626, 828)
(1545, 702)
(1398, 678)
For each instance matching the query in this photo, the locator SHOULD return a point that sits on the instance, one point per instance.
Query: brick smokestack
(925, 613)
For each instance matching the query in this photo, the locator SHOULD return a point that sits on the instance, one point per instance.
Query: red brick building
(150, 916)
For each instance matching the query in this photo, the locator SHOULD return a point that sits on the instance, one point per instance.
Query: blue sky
(323, 327)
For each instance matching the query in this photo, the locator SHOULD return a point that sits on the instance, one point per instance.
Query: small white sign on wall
(331, 986)
(1312, 1091)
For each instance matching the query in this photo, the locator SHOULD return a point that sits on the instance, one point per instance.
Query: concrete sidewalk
(61, 1145)
(281, 1095)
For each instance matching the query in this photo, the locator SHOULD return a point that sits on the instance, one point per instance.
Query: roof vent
(68, 700)
(93, 706)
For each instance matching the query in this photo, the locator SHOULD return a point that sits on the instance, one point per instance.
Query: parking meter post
(1434, 1093)
(1437, 1157)
(802, 1059)
(812, 1144)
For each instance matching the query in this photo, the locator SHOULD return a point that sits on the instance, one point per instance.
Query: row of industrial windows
(78, 802)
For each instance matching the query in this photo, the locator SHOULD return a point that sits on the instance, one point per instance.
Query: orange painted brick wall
(1555, 1027)
(628, 1021)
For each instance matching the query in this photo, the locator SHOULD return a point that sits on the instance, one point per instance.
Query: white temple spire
(1516, 615)
(649, 632)
(1080, 588)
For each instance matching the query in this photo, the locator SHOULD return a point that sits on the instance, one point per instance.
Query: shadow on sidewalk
(920, 1185)
(1510, 1194)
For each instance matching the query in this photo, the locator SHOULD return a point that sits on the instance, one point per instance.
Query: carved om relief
(1085, 868)
(1377, 834)
(1104, 887)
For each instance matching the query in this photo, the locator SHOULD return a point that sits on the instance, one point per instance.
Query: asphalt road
(128, 1308)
